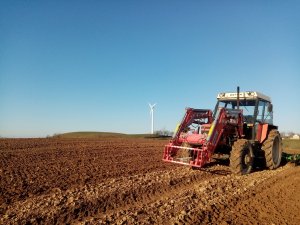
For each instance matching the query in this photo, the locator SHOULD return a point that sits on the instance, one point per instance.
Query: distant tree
(163, 132)
(56, 135)
(283, 134)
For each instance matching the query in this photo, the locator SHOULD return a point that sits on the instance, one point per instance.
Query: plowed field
(124, 181)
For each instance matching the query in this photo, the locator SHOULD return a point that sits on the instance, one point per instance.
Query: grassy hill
(92, 134)
(287, 143)
(291, 144)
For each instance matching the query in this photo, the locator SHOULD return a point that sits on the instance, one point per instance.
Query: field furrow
(125, 181)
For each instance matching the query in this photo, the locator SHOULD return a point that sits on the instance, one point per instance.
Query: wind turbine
(152, 116)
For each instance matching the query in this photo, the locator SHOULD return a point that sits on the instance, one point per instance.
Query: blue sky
(95, 65)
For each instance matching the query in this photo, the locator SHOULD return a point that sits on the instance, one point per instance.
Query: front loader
(240, 127)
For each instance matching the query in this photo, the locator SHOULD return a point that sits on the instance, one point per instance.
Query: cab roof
(251, 95)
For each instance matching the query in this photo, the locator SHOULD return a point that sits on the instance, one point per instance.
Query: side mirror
(270, 107)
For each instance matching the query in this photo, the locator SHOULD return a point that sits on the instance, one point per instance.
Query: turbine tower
(152, 116)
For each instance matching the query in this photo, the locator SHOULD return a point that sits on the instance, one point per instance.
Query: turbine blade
(152, 106)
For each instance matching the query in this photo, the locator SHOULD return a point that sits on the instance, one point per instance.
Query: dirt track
(124, 181)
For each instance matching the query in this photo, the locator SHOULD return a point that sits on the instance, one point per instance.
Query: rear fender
(262, 132)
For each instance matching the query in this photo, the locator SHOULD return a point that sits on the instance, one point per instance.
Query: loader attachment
(189, 143)
(196, 157)
(198, 135)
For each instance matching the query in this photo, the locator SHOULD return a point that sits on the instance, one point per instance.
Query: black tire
(272, 148)
(241, 157)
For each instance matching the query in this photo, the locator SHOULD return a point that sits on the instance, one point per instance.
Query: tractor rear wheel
(241, 157)
(273, 149)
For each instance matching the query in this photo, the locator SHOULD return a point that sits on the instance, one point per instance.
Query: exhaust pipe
(238, 97)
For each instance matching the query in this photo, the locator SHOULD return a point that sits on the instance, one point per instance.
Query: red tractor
(241, 128)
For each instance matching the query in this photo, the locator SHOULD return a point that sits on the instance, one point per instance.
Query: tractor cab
(257, 111)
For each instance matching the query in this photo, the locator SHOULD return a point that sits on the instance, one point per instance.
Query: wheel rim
(247, 159)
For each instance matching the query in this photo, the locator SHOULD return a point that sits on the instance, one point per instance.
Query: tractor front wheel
(273, 149)
(241, 157)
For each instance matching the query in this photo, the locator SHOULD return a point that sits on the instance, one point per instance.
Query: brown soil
(124, 181)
